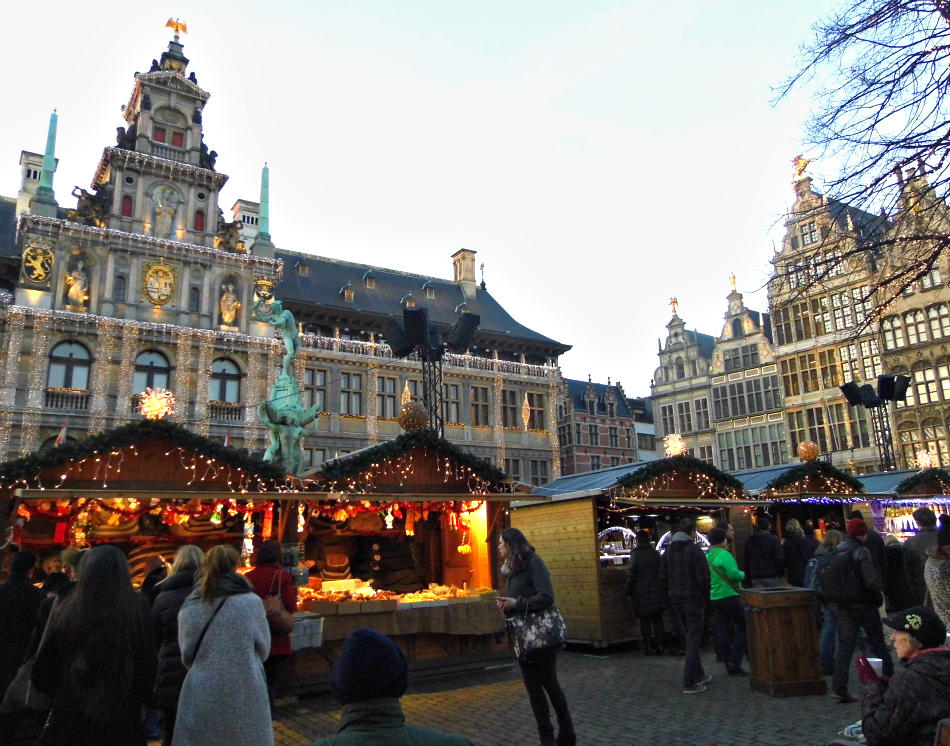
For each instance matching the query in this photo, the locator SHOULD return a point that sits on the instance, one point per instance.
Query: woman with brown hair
(528, 588)
(224, 640)
(98, 659)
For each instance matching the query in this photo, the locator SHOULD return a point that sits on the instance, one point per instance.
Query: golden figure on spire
(673, 304)
(732, 281)
(800, 163)
(179, 27)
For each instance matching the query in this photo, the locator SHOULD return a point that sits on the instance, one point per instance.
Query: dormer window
(303, 269)
(430, 290)
(347, 292)
(369, 281)
(407, 301)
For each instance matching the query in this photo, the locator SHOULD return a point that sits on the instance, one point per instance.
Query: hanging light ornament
(673, 445)
(157, 404)
(924, 459)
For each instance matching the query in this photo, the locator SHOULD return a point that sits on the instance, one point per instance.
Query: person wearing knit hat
(853, 588)
(368, 679)
(906, 708)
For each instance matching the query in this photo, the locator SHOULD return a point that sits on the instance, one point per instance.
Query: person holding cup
(905, 710)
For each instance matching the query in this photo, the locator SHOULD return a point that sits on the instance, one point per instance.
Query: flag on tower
(61, 438)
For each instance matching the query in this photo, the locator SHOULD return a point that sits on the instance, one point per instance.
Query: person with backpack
(852, 586)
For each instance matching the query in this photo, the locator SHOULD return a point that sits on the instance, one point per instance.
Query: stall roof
(586, 483)
(885, 481)
(756, 480)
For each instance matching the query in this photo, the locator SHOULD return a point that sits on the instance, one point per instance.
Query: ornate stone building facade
(147, 284)
(596, 427)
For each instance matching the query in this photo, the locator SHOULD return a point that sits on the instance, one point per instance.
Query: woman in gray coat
(224, 640)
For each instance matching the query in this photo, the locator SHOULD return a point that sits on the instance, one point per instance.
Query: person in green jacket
(368, 679)
(725, 577)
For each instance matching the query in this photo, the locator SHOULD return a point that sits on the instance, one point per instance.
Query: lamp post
(889, 388)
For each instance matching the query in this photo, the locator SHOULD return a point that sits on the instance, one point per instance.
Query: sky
(600, 157)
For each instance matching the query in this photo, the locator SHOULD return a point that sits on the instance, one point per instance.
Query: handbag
(536, 630)
(280, 620)
(20, 694)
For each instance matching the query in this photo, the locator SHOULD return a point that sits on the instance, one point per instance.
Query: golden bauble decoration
(412, 416)
(808, 450)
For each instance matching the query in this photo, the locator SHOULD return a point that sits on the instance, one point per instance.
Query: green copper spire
(44, 201)
(263, 231)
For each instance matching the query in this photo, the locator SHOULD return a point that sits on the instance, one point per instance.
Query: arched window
(127, 206)
(69, 364)
(943, 379)
(925, 383)
(737, 328)
(893, 333)
(151, 371)
(916, 327)
(680, 368)
(194, 299)
(225, 383)
(199, 220)
(119, 284)
(908, 439)
(935, 440)
(939, 319)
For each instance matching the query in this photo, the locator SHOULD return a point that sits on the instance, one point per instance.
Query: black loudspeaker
(396, 338)
(852, 393)
(901, 384)
(460, 338)
(885, 387)
(869, 396)
(416, 323)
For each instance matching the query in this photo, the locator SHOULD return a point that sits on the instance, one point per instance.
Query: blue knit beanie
(370, 666)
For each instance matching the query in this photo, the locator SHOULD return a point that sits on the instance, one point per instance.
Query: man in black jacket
(764, 557)
(19, 602)
(685, 572)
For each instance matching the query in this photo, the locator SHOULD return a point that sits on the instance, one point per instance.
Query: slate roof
(885, 481)
(8, 227)
(589, 480)
(327, 277)
(705, 342)
(577, 390)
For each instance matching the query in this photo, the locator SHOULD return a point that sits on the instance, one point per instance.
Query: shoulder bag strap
(725, 579)
(208, 624)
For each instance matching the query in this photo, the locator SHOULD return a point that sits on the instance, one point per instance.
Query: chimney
(464, 264)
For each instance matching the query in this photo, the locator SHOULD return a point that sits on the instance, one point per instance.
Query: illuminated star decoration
(673, 445)
(157, 404)
(925, 459)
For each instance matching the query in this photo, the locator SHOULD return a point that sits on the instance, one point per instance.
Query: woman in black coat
(648, 593)
(528, 588)
(172, 593)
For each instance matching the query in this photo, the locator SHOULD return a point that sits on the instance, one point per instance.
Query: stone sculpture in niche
(165, 205)
(76, 285)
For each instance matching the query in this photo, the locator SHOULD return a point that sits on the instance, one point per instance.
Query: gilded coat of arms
(38, 261)
(159, 284)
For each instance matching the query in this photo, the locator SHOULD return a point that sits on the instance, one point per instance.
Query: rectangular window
(821, 315)
(314, 457)
(564, 436)
(513, 468)
(594, 462)
(721, 403)
(790, 380)
(809, 233)
(667, 419)
(646, 442)
(450, 402)
(593, 437)
(158, 134)
(613, 437)
(753, 395)
(771, 393)
(386, 397)
(351, 393)
(415, 390)
(510, 416)
(750, 356)
(828, 369)
(685, 418)
(577, 433)
(931, 279)
(732, 359)
(702, 413)
(842, 312)
(480, 406)
(536, 411)
(615, 460)
(315, 388)
(737, 399)
(539, 472)
(178, 139)
(705, 454)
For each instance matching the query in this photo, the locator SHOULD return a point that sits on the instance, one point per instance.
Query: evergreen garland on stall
(360, 461)
(927, 476)
(32, 464)
(817, 470)
(682, 463)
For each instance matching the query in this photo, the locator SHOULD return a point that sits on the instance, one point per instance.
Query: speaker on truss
(396, 338)
(852, 393)
(416, 323)
(901, 384)
(460, 338)
(869, 397)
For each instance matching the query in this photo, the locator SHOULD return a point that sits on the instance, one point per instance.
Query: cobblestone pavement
(620, 697)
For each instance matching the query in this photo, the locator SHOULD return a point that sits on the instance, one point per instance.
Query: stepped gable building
(146, 283)
(820, 296)
(915, 330)
(747, 406)
(681, 386)
(596, 427)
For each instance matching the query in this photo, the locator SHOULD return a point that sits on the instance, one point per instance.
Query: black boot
(566, 736)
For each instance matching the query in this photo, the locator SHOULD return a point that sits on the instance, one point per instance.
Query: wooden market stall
(574, 533)
(900, 493)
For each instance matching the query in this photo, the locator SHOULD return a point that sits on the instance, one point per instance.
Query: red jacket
(265, 580)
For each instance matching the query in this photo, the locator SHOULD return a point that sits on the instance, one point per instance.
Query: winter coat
(531, 587)
(725, 563)
(875, 545)
(905, 712)
(915, 557)
(797, 554)
(266, 579)
(19, 602)
(898, 593)
(224, 696)
(118, 719)
(648, 593)
(764, 557)
(172, 593)
(382, 721)
(871, 582)
(684, 570)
